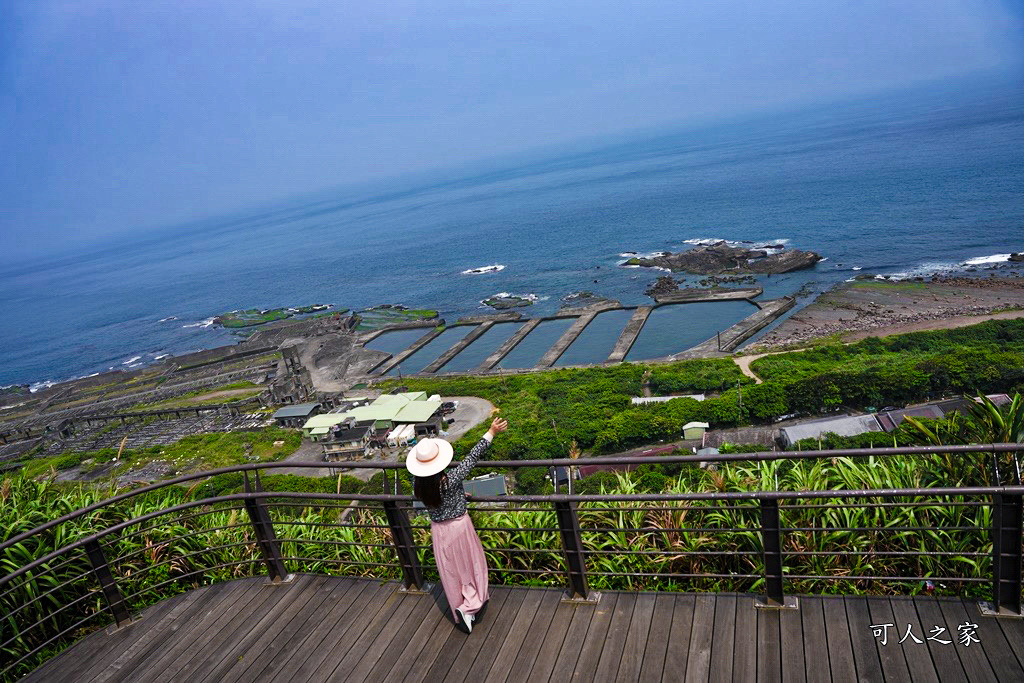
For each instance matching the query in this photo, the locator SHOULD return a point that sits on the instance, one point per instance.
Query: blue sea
(907, 184)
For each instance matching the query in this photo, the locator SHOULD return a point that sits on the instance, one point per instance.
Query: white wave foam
(47, 383)
(509, 295)
(705, 241)
(628, 254)
(773, 245)
(856, 268)
(162, 356)
(170, 317)
(132, 360)
(484, 269)
(923, 270)
(985, 260)
(201, 323)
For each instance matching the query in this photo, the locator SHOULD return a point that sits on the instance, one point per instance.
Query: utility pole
(739, 397)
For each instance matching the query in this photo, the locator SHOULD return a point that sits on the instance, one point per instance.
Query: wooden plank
(100, 650)
(1013, 630)
(544, 663)
(512, 639)
(334, 634)
(890, 655)
(343, 592)
(723, 637)
(744, 667)
(698, 663)
(615, 641)
(212, 655)
(769, 655)
(147, 651)
(678, 651)
(455, 662)
(973, 659)
(791, 644)
(944, 657)
(263, 641)
(366, 653)
(590, 654)
(409, 635)
(865, 645)
(438, 644)
(837, 635)
(919, 660)
(812, 614)
(542, 628)
(366, 625)
(177, 647)
(981, 663)
(635, 649)
(572, 643)
(653, 665)
(499, 625)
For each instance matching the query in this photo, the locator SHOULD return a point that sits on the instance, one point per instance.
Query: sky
(119, 117)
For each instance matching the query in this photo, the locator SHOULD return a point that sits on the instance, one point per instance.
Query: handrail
(548, 498)
(515, 464)
(741, 536)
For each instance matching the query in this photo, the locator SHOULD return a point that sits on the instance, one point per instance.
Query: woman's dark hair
(428, 489)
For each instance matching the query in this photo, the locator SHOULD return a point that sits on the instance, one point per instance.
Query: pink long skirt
(461, 563)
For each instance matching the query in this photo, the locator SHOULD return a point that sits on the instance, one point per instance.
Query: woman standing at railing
(457, 548)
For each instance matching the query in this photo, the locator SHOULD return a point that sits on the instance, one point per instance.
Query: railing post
(771, 543)
(401, 536)
(264, 530)
(110, 590)
(572, 547)
(1007, 539)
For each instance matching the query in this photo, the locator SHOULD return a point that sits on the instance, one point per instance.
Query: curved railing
(105, 562)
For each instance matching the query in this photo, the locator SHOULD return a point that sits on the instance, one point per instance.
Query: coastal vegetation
(225, 393)
(261, 316)
(391, 314)
(193, 453)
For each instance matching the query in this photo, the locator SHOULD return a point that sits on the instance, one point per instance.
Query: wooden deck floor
(321, 628)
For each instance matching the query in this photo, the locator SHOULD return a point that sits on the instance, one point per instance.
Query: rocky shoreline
(864, 308)
(722, 259)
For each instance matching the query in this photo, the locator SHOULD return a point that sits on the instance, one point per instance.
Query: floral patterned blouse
(453, 493)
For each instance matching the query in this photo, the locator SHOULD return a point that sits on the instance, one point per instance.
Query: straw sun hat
(428, 457)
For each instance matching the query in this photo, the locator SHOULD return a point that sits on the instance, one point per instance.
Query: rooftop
(297, 410)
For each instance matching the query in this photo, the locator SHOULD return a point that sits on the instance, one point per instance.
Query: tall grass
(831, 545)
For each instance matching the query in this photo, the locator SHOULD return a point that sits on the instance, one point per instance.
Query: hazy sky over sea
(124, 116)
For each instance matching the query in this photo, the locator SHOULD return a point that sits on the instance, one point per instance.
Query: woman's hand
(498, 426)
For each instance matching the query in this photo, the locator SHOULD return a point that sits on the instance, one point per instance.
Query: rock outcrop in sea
(503, 300)
(663, 285)
(721, 258)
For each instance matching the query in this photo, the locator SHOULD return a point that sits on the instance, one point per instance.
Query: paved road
(471, 412)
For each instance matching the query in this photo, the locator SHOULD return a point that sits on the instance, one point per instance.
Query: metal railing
(101, 564)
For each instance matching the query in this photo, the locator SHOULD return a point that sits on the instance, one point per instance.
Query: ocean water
(909, 184)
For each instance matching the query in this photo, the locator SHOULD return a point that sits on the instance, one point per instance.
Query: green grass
(194, 398)
(251, 317)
